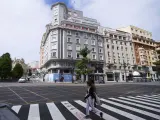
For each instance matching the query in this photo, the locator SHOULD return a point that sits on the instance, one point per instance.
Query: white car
(22, 80)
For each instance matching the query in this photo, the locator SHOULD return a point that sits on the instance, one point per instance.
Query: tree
(17, 71)
(5, 66)
(82, 66)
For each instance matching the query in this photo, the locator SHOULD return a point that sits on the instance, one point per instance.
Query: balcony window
(85, 41)
(117, 48)
(78, 47)
(120, 37)
(93, 50)
(124, 38)
(111, 36)
(93, 57)
(93, 42)
(69, 54)
(106, 40)
(120, 43)
(69, 40)
(69, 47)
(77, 27)
(116, 42)
(54, 46)
(77, 55)
(100, 44)
(53, 54)
(78, 41)
(115, 36)
(121, 47)
(100, 50)
(68, 32)
(84, 28)
(112, 47)
(77, 34)
(92, 30)
(100, 57)
(108, 46)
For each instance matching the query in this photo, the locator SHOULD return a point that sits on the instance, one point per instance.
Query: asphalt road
(21, 95)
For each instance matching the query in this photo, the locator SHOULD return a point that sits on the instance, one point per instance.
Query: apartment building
(69, 32)
(144, 47)
(119, 54)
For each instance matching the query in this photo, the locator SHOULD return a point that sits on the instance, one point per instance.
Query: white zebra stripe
(152, 95)
(123, 113)
(133, 109)
(148, 98)
(154, 105)
(105, 116)
(78, 114)
(158, 97)
(135, 104)
(144, 100)
(54, 111)
(34, 112)
(16, 108)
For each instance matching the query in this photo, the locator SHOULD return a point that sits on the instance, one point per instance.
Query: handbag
(98, 101)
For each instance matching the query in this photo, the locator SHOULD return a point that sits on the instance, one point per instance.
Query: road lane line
(78, 114)
(34, 112)
(154, 105)
(18, 95)
(132, 109)
(36, 94)
(54, 111)
(16, 108)
(105, 116)
(135, 104)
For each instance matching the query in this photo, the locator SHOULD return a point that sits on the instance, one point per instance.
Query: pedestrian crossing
(146, 107)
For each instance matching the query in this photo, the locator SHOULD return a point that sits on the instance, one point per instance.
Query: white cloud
(119, 13)
(22, 24)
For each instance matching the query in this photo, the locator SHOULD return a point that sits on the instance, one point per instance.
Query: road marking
(34, 112)
(16, 108)
(148, 98)
(36, 94)
(140, 102)
(152, 95)
(132, 109)
(145, 100)
(17, 95)
(123, 113)
(54, 111)
(78, 114)
(135, 104)
(105, 116)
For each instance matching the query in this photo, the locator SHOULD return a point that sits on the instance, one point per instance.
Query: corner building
(68, 32)
(145, 50)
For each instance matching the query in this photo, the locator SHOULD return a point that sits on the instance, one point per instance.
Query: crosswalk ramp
(146, 107)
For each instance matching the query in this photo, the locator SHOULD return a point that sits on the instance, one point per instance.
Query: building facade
(145, 49)
(119, 54)
(65, 36)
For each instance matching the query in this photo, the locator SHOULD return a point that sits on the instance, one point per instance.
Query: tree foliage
(82, 66)
(5, 66)
(17, 71)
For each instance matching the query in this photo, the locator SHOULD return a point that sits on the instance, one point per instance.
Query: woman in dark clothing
(90, 98)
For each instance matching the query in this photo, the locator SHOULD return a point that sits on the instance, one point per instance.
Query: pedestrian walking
(91, 98)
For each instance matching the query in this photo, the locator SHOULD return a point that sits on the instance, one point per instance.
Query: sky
(22, 22)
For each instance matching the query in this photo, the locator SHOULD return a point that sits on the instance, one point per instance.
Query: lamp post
(125, 65)
(72, 69)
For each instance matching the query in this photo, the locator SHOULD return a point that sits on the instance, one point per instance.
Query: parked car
(22, 80)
